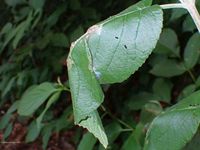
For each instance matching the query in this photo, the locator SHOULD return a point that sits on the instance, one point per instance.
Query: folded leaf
(110, 52)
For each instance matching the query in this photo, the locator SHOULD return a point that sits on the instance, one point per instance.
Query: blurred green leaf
(9, 86)
(87, 142)
(168, 43)
(168, 68)
(35, 97)
(7, 27)
(150, 111)
(13, 107)
(76, 33)
(187, 91)
(113, 130)
(53, 18)
(54, 97)
(75, 4)
(37, 4)
(46, 134)
(8, 131)
(21, 28)
(189, 25)
(177, 13)
(33, 132)
(5, 120)
(162, 88)
(197, 83)
(137, 101)
(194, 143)
(13, 3)
(64, 121)
(59, 40)
(133, 142)
(192, 51)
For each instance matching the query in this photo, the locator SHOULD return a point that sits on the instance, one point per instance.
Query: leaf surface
(176, 126)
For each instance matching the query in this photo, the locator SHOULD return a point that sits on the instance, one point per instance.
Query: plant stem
(117, 119)
(170, 6)
(191, 75)
(66, 89)
(190, 6)
(126, 130)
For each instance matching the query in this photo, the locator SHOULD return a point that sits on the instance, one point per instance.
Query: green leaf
(113, 130)
(176, 126)
(162, 88)
(137, 101)
(109, 52)
(37, 4)
(46, 134)
(9, 86)
(150, 111)
(135, 138)
(5, 120)
(53, 18)
(13, 3)
(34, 98)
(177, 13)
(64, 121)
(188, 24)
(33, 132)
(21, 28)
(51, 100)
(59, 40)
(187, 91)
(168, 68)
(13, 107)
(83, 82)
(76, 33)
(194, 143)
(115, 61)
(74, 4)
(8, 131)
(87, 142)
(192, 51)
(94, 125)
(6, 28)
(168, 43)
(131, 144)
(197, 83)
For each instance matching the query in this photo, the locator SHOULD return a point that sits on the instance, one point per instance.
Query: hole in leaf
(84, 119)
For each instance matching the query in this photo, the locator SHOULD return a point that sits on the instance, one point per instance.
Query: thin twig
(191, 7)
(117, 119)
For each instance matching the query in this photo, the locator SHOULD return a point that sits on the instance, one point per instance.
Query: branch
(169, 6)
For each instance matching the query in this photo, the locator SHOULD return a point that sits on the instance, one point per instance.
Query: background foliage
(35, 36)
